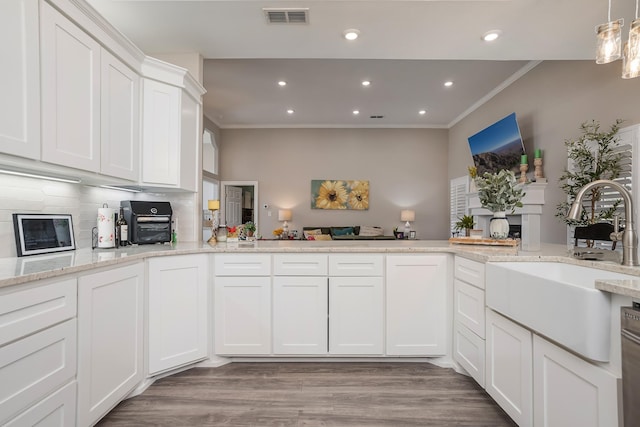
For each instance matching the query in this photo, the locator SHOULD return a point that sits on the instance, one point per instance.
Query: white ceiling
(406, 48)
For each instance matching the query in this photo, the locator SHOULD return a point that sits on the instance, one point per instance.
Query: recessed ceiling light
(290, 111)
(366, 83)
(448, 83)
(282, 83)
(422, 112)
(356, 112)
(351, 34)
(492, 35)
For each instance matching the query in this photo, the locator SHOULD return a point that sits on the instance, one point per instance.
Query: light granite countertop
(15, 271)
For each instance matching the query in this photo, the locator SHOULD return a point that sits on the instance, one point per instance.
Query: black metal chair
(598, 231)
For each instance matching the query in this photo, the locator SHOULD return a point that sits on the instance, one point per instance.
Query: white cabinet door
(356, 315)
(416, 296)
(177, 311)
(300, 315)
(242, 315)
(56, 410)
(110, 339)
(190, 143)
(160, 134)
(120, 119)
(509, 377)
(70, 93)
(20, 79)
(569, 391)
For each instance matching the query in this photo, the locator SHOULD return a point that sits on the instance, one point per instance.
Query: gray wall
(551, 101)
(406, 169)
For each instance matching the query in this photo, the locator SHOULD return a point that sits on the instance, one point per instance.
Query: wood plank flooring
(312, 394)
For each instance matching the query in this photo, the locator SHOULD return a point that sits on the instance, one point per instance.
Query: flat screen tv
(498, 146)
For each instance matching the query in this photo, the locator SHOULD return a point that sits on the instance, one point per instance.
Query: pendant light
(609, 36)
(631, 58)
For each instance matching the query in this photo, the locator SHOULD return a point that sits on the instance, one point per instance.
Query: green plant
(592, 157)
(465, 222)
(500, 191)
(249, 226)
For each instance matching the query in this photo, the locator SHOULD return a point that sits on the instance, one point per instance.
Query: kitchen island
(108, 322)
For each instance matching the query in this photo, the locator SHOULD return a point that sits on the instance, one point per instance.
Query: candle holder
(523, 173)
(537, 173)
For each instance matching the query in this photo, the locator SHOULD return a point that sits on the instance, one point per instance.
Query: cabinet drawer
(27, 311)
(57, 410)
(469, 307)
(469, 271)
(242, 265)
(300, 265)
(468, 351)
(355, 265)
(34, 366)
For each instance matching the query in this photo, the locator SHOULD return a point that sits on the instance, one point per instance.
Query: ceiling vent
(287, 16)
(376, 117)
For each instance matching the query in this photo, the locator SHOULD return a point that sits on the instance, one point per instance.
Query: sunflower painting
(330, 194)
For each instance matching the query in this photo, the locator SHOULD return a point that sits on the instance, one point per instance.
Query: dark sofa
(346, 233)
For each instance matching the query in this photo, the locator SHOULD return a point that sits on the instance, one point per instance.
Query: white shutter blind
(458, 189)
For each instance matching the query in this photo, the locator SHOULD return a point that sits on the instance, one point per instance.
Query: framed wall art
(339, 194)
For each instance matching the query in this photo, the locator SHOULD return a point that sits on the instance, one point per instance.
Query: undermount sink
(557, 300)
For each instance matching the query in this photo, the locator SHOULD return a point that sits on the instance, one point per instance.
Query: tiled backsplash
(28, 195)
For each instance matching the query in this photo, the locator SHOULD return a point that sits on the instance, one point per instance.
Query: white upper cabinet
(120, 119)
(160, 133)
(90, 102)
(20, 79)
(171, 127)
(70, 93)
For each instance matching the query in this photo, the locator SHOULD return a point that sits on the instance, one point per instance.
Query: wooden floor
(312, 394)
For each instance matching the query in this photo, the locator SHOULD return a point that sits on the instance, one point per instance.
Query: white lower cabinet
(178, 318)
(300, 315)
(569, 391)
(509, 377)
(469, 317)
(356, 315)
(56, 410)
(242, 315)
(416, 300)
(110, 339)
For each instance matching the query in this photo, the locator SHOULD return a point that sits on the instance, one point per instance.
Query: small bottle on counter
(122, 229)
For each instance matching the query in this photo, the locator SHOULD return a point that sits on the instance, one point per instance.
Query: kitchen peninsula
(142, 312)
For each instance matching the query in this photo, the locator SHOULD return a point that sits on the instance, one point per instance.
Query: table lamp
(407, 215)
(214, 207)
(285, 215)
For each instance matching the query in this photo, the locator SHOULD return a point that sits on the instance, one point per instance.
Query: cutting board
(484, 241)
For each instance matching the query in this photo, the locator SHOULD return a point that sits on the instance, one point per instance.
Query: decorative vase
(499, 226)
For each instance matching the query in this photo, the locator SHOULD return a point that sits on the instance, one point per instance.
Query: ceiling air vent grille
(287, 16)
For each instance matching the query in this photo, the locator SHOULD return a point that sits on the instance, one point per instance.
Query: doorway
(239, 202)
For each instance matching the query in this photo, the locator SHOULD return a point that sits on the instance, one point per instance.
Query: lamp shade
(284, 215)
(407, 215)
(213, 205)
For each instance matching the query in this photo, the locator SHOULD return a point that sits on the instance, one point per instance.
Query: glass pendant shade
(631, 57)
(609, 38)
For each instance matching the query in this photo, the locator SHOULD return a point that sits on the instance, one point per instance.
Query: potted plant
(249, 228)
(592, 157)
(465, 223)
(499, 192)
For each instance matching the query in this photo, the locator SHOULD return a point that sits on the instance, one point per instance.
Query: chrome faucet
(629, 235)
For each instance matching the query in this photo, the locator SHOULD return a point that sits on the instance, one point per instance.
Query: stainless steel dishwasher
(630, 330)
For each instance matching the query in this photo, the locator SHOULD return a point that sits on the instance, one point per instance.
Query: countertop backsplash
(31, 195)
